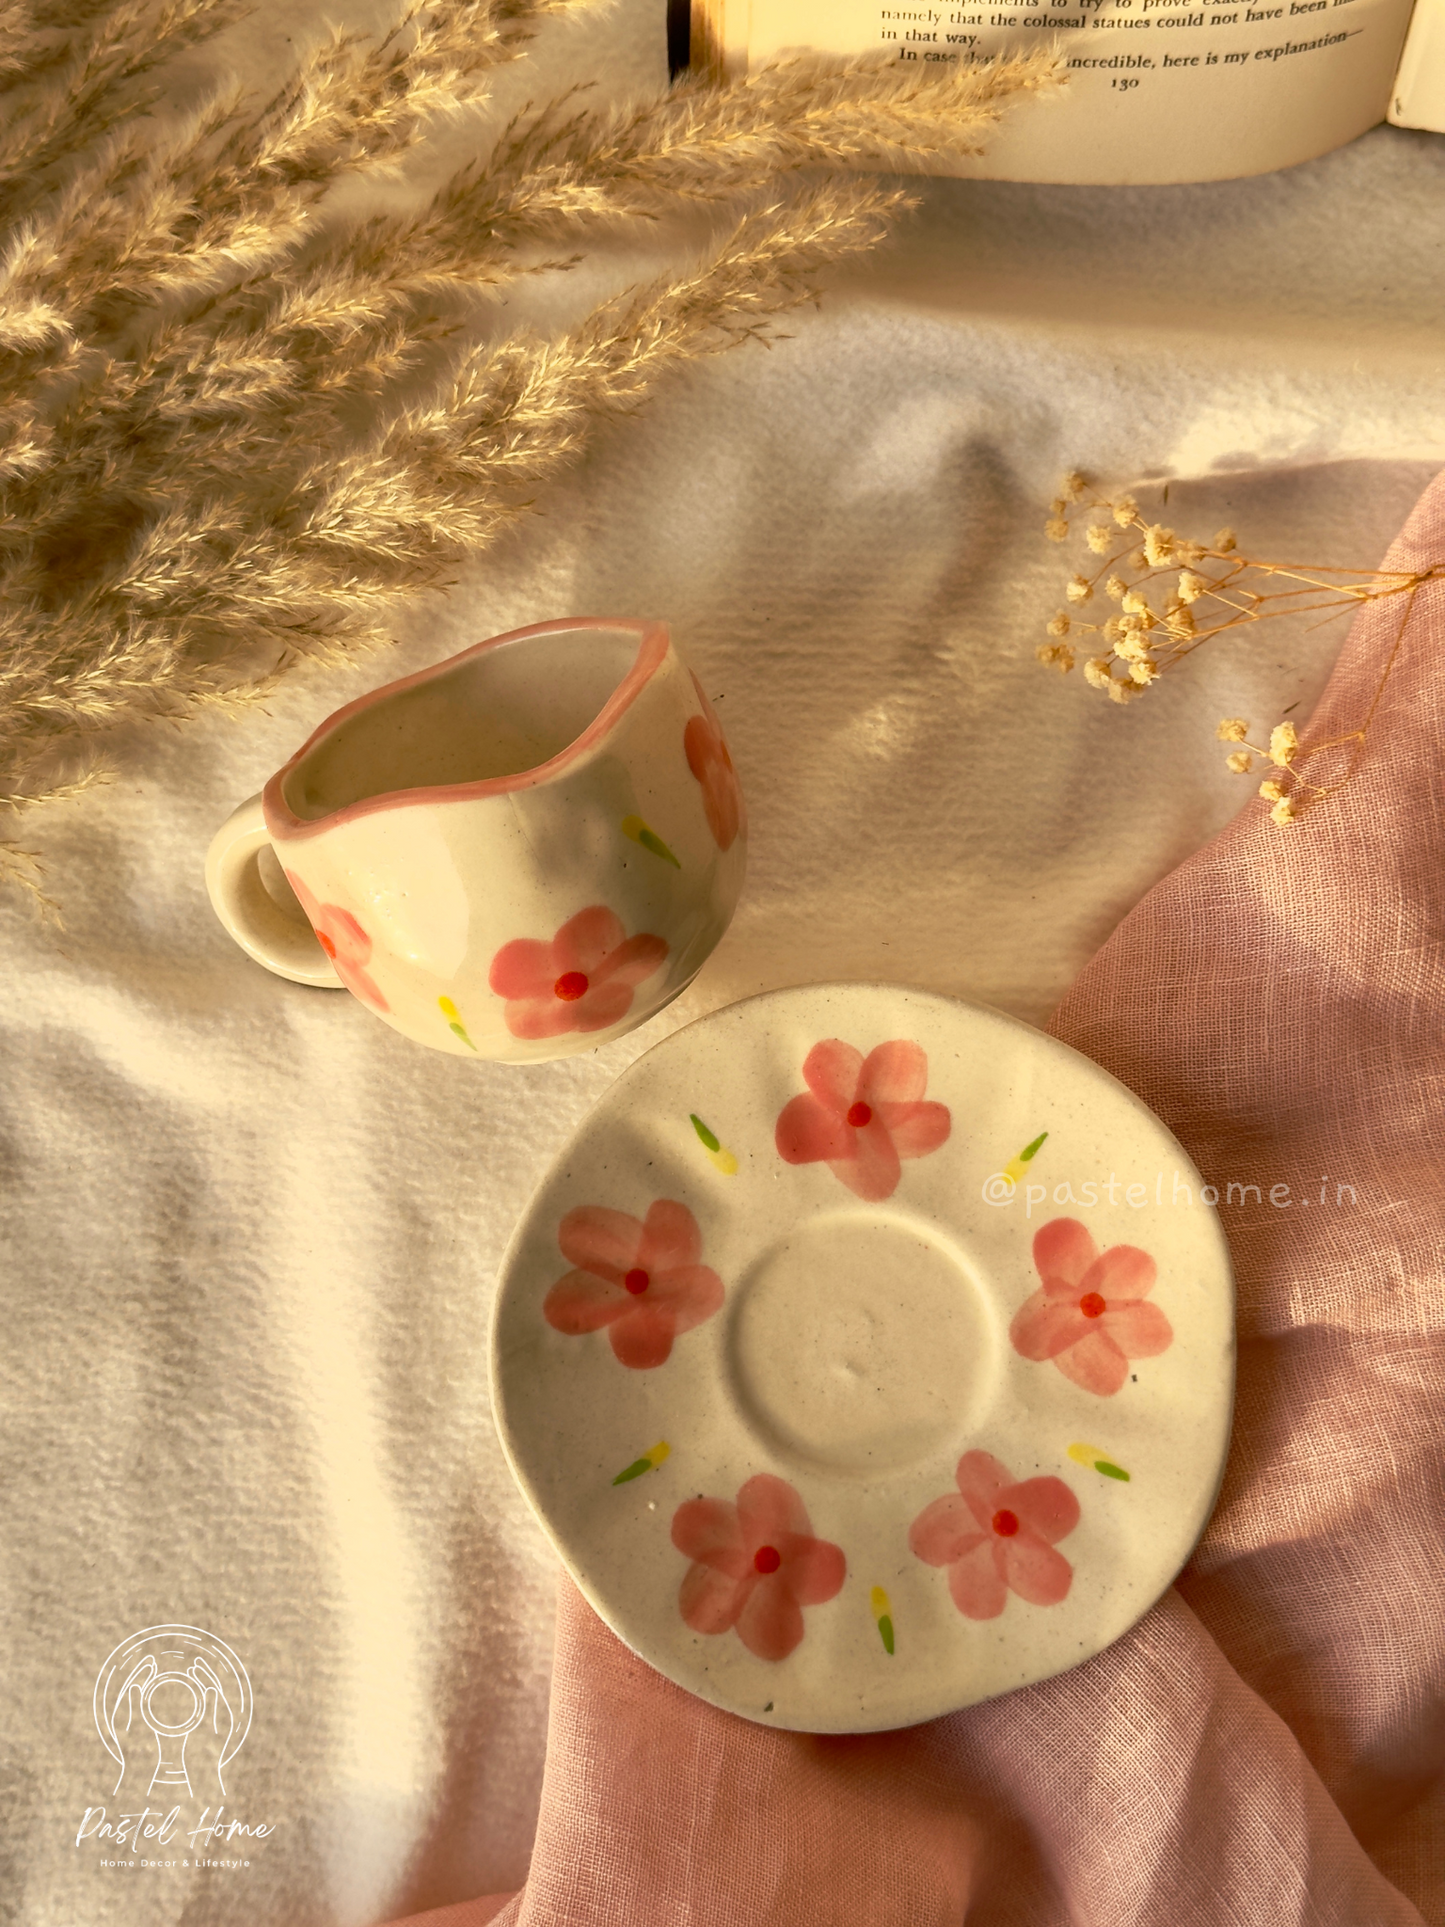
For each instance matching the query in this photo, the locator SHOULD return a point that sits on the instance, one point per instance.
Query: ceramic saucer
(866, 1354)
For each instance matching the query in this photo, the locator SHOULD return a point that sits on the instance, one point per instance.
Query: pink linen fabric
(1267, 1747)
(463, 1913)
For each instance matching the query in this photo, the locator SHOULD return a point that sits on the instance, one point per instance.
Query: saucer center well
(861, 1342)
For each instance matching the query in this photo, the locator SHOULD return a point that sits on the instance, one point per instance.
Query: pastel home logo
(172, 1707)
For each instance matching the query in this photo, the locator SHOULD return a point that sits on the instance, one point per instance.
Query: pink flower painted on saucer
(343, 940)
(708, 759)
(997, 1535)
(862, 1115)
(1091, 1314)
(641, 1280)
(583, 979)
(756, 1565)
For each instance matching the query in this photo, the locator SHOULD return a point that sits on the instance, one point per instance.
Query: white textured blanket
(249, 1233)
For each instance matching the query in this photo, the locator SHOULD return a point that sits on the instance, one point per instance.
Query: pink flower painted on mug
(640, 1279)
(862, 1114)
(1091, 1314)
(709, 761)
(583, 979)
(997, 1536)
(756, 1565)
(344, 941)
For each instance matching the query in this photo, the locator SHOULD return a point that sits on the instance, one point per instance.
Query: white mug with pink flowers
(517, 854)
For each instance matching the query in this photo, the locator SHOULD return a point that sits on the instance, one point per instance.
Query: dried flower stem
(1208, 590)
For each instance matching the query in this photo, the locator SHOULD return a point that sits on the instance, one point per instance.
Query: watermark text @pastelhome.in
(1166, 1188)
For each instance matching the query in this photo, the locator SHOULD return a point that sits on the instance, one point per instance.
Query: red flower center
(767, 1559)
(326, 944)
(570, 986)
(1005, 1523)
(860, 1114)
(636, 1281)
(1091, 1304)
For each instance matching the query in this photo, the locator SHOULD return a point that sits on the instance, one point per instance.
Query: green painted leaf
(1111, 1471)
(634, 827)
(650, 840)
(704, 1133)
(1029, 1149)
(634, 1471)
(885, 1626)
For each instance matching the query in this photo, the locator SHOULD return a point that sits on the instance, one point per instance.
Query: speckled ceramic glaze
(520, 853)
(866, 1354)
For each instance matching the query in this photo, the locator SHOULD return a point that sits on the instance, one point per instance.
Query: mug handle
(250, 894)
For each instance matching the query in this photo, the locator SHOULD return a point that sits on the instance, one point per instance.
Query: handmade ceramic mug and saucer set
(866, 1353)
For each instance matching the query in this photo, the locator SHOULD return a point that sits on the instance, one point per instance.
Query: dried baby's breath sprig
(1283, 744)
(1158, 546)
(1175, 593)
(231, 431)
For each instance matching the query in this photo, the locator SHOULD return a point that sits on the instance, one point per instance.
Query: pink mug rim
(653, 645)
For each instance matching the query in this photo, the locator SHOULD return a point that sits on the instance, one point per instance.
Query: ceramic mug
(517, 854)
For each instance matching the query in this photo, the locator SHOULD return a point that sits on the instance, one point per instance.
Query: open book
(1160, 90)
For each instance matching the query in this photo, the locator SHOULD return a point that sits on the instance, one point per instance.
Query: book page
(1159, 90)
(1419, 99)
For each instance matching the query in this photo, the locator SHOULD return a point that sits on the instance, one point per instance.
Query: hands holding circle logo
(172, 1706)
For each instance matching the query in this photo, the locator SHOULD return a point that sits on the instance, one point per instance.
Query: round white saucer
(866, 1354)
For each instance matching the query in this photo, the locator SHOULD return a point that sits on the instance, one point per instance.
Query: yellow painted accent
(723, 1158)
(649, 1462)
(1102, 1462)
(878, 1600)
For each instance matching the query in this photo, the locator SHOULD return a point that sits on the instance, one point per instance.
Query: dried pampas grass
(212, 454)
